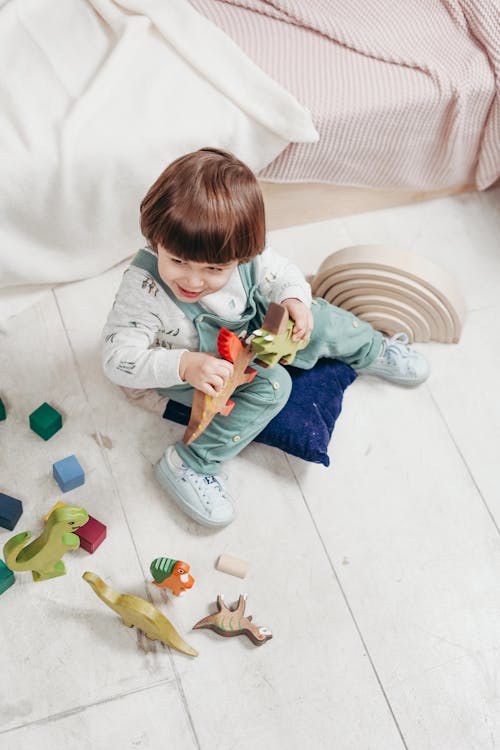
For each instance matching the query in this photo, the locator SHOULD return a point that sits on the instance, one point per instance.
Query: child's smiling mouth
(187, 293)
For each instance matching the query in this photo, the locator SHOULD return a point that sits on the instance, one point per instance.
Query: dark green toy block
(3, 413)
(45, 421)
(6, 577)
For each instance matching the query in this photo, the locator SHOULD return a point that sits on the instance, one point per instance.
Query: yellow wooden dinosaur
(43, 555)
(136, 611)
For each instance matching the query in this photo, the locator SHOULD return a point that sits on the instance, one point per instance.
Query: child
(206, 266)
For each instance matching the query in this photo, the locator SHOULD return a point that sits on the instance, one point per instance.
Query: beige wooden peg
(233, 566)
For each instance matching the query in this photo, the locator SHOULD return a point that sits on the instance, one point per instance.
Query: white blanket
(97, 97)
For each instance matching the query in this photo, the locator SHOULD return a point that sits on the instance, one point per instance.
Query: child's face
(191, 281)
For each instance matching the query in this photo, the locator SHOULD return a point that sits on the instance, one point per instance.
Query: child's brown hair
(206, 207)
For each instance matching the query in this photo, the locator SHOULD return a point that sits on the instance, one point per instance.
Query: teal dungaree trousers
(337, 334)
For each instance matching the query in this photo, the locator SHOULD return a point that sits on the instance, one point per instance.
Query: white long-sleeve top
(146, 333)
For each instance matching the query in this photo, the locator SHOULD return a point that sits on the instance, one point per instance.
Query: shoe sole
(171, 491)
(396, 381)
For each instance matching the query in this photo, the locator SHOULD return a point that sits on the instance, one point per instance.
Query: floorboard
(378, 576)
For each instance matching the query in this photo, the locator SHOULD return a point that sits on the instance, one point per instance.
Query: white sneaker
(398, 362)
(201, 496)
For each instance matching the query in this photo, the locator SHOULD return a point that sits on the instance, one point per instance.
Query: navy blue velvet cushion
(305, 425)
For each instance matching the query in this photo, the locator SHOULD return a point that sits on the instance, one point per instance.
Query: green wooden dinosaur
(43, 555)
(136, 611)
(273, 342)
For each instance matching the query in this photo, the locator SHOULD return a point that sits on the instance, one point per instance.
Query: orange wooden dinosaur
(269, 345)
(205, 407)
(229, 622)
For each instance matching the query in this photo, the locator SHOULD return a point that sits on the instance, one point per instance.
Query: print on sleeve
(150, 285)
(161, 338)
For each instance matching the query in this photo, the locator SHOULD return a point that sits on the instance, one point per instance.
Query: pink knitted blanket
(404, 94)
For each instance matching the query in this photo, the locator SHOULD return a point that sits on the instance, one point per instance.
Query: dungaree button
(236, 439)
(276, 386)
(355, 323)
(201, 317)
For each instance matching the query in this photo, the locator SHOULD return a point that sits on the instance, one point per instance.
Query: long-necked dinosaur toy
(140, 613)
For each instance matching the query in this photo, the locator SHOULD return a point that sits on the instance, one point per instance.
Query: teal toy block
(3, 413)
(7, 577)
(45, 421)
(68, 473)
(10, 511)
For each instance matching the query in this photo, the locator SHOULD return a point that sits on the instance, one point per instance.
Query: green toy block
(6, 577)
(45, 421)
(3, 413)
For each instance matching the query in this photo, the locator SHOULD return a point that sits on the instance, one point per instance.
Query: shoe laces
(208, 486)
(396, 348)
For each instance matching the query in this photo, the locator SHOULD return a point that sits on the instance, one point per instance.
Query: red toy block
(92, 534)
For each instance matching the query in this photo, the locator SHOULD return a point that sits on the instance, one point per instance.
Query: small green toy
(273, 342)
(43, 555)
(45, 421)
(3, 413)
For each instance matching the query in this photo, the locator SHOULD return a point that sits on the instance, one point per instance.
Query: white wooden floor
(380, 576)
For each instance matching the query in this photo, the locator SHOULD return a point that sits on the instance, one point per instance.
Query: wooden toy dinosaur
(140, 613)
(204, 407)
(270, 344)
(273, 342)
(229, 622)
(43, 555)
(171, 574)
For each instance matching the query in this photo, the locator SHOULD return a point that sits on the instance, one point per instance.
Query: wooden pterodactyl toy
(230, 621)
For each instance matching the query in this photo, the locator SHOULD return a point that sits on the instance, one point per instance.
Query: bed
(318, 97)
(404, 96)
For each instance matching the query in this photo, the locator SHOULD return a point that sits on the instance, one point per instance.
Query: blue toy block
(68, 473)
(10, 511)
(6, 577)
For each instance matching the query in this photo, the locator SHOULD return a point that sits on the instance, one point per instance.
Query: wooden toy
(3, 412)
(43, 555)
(10, 511)
(91, 534)
(232, 565)
(6, 577)
(68, 473)
(140, 613)
(204, 407)
(59, 504)
(273, 342)
(45, 421)
(171, 574)
(229, 622)
(393, 290)
(270, 344)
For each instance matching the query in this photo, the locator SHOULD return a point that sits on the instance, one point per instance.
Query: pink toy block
(92, 534)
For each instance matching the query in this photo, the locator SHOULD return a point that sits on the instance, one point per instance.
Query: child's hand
(205, 372)
(301, 316)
